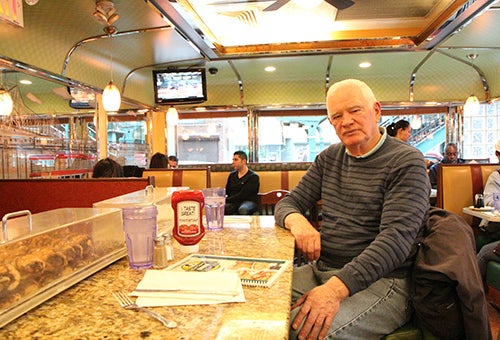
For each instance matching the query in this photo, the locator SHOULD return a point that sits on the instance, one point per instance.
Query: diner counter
(88, 310)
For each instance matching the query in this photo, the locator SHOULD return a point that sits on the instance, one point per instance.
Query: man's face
(355, 120)
(238, 163)
(172, 163)
(450, 155)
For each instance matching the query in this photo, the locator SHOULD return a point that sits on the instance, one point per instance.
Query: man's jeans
(369, 314)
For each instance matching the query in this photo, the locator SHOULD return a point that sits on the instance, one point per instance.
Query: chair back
(268, 200)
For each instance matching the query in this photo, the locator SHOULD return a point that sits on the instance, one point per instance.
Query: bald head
(350, 84)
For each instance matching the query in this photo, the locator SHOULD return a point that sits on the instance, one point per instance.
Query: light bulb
(172, 116)
(472, 105)
(416, 122)
(111, 98)
(6, 103)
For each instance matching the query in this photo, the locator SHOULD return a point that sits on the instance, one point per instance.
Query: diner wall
(52, 28)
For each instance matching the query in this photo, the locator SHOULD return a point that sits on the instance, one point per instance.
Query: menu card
(254, 272)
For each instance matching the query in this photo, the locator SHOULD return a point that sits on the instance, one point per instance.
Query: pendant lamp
(472, 105)
(172, 116)
(111, 98)
(6, 103)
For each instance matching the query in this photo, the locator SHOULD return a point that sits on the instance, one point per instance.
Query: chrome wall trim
(60, 79)
(477, 69)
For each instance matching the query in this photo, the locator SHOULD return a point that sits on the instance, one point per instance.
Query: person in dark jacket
(450, 157)
(448, 293)
(242, 187)
(107, 167)
(158, 161)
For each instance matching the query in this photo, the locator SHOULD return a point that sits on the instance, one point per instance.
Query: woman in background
(107, 167)
(158, 160)
(401, 130)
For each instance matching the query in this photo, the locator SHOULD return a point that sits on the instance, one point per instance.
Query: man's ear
(378, 110)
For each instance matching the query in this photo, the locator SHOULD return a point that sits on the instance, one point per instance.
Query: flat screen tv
(177, 86)
(81, 99)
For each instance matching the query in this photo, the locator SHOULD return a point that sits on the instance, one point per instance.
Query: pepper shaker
(160, 253)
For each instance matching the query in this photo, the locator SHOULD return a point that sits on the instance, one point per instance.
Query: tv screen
(180, 86)
(81, 99)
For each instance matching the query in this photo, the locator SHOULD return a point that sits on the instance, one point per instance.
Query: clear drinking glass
(139, 225)
(215, 201)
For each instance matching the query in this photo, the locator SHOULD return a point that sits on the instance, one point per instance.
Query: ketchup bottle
(188, 226)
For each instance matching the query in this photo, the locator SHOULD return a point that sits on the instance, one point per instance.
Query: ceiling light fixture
(472, 105)
(270, 69)
(416, 122)
(31, 2)
(6, 103)
(111, 97)
(172, 116)
(365, 64)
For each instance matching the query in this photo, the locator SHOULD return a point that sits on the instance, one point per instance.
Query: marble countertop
(87, 310)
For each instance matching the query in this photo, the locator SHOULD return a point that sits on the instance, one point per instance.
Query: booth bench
(37, 195)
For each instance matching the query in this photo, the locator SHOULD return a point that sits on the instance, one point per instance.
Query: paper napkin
(169, 288)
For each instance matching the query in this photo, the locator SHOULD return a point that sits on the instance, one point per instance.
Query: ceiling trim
(60, 79)
(183, 27)
(106, 36)
(469, 13)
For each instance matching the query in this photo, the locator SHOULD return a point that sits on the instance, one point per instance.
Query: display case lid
(28, 225)
(160, 195)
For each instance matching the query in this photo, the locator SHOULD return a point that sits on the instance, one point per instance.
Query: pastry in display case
(43, 254)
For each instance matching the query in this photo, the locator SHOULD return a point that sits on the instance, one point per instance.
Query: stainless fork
(127, 303)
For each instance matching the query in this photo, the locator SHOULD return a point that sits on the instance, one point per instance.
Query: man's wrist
(338, 287)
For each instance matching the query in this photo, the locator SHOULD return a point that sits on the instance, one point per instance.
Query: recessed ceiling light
(270, 69)
(365, 64)
(25, 81)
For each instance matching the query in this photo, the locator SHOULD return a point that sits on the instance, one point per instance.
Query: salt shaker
(169, 248)
(160, 253)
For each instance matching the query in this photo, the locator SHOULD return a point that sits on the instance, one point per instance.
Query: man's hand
(307, 238)
(318, 308)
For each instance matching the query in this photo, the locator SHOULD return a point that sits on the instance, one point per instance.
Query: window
(211, 140)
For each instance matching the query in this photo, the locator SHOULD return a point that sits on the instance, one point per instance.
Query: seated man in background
(450, 157)
(173, 162)
(242, 188)
(375, 193)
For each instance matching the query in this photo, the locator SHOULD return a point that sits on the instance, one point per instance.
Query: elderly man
(450, 157)
(375, 193)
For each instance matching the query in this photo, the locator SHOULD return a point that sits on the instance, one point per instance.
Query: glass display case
(45, 253)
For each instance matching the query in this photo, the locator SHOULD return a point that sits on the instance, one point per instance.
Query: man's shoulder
(252, 173)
